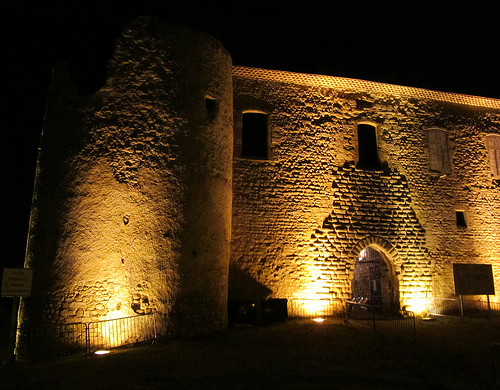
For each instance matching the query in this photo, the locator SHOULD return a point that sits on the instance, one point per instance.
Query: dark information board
(473, 279)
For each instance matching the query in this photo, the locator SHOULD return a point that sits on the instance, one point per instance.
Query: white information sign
(16, 282)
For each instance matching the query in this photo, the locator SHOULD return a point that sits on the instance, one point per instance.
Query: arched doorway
(374, 281)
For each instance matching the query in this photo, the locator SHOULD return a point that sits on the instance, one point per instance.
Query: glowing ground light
(101, 352)
(417, 305)
(318, 320)
(315, 307)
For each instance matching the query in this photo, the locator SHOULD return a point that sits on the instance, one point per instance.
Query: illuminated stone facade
(302, 216)
(146, 193)
(132, 205)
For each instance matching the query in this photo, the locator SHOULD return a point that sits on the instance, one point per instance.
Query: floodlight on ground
(417, 306)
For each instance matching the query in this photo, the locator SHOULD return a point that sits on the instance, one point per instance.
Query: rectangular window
(493, 145)
(439, 156)
(367, 148)
(254, 135)
(461, 221)
(211, 107)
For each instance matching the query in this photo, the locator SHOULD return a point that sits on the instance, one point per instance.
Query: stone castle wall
(143, 202)
(132, 204)
(301, 217)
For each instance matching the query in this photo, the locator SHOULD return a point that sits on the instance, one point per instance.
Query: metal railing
(114, 333)
(309, 308)
(46, 342)
(471, 308)
(381, 319)
(495, 354)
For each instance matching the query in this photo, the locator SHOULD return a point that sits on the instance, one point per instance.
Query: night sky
(447, 47)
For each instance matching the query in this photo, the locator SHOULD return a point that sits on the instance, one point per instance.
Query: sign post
(473, 279)
(16, 283)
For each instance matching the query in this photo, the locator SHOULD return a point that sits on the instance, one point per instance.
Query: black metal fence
(46, 342)
(468, 308)
(51, 341)
(114, 333)
(495, 352)
(273, 310)
(381, 319)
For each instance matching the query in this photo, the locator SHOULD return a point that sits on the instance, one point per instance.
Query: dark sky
(447, 47)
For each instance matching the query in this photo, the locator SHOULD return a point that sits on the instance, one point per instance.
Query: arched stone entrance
(374, 279)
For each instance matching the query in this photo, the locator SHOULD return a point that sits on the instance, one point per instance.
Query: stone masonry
(301, 217)
(132, 205)
(145, 202)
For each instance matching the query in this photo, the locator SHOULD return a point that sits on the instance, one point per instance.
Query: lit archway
(374, 278)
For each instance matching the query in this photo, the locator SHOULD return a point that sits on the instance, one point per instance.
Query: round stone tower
(132, 205)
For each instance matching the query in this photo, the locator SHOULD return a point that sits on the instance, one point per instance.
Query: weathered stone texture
(143, 202)
(132, 207)
(299, 218)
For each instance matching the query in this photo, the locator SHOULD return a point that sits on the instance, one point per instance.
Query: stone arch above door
(386, 292)
(379, 244)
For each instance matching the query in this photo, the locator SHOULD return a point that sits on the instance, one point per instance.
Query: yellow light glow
(417, 305)
(311, 305)
(315, 307)
(115, 314)
(114, 332)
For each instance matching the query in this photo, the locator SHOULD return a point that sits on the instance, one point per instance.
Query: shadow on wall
(5, 323)
(249, 303)
(243, 286)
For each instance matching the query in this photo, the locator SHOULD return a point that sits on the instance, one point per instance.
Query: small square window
(461, 220)
(362, 104)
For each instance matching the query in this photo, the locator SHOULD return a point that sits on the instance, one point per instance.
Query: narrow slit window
(439, 155)
(461, 221)
(493, 146)
(362, 104)
(254, 135)
(367, 148)
(211, 107)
